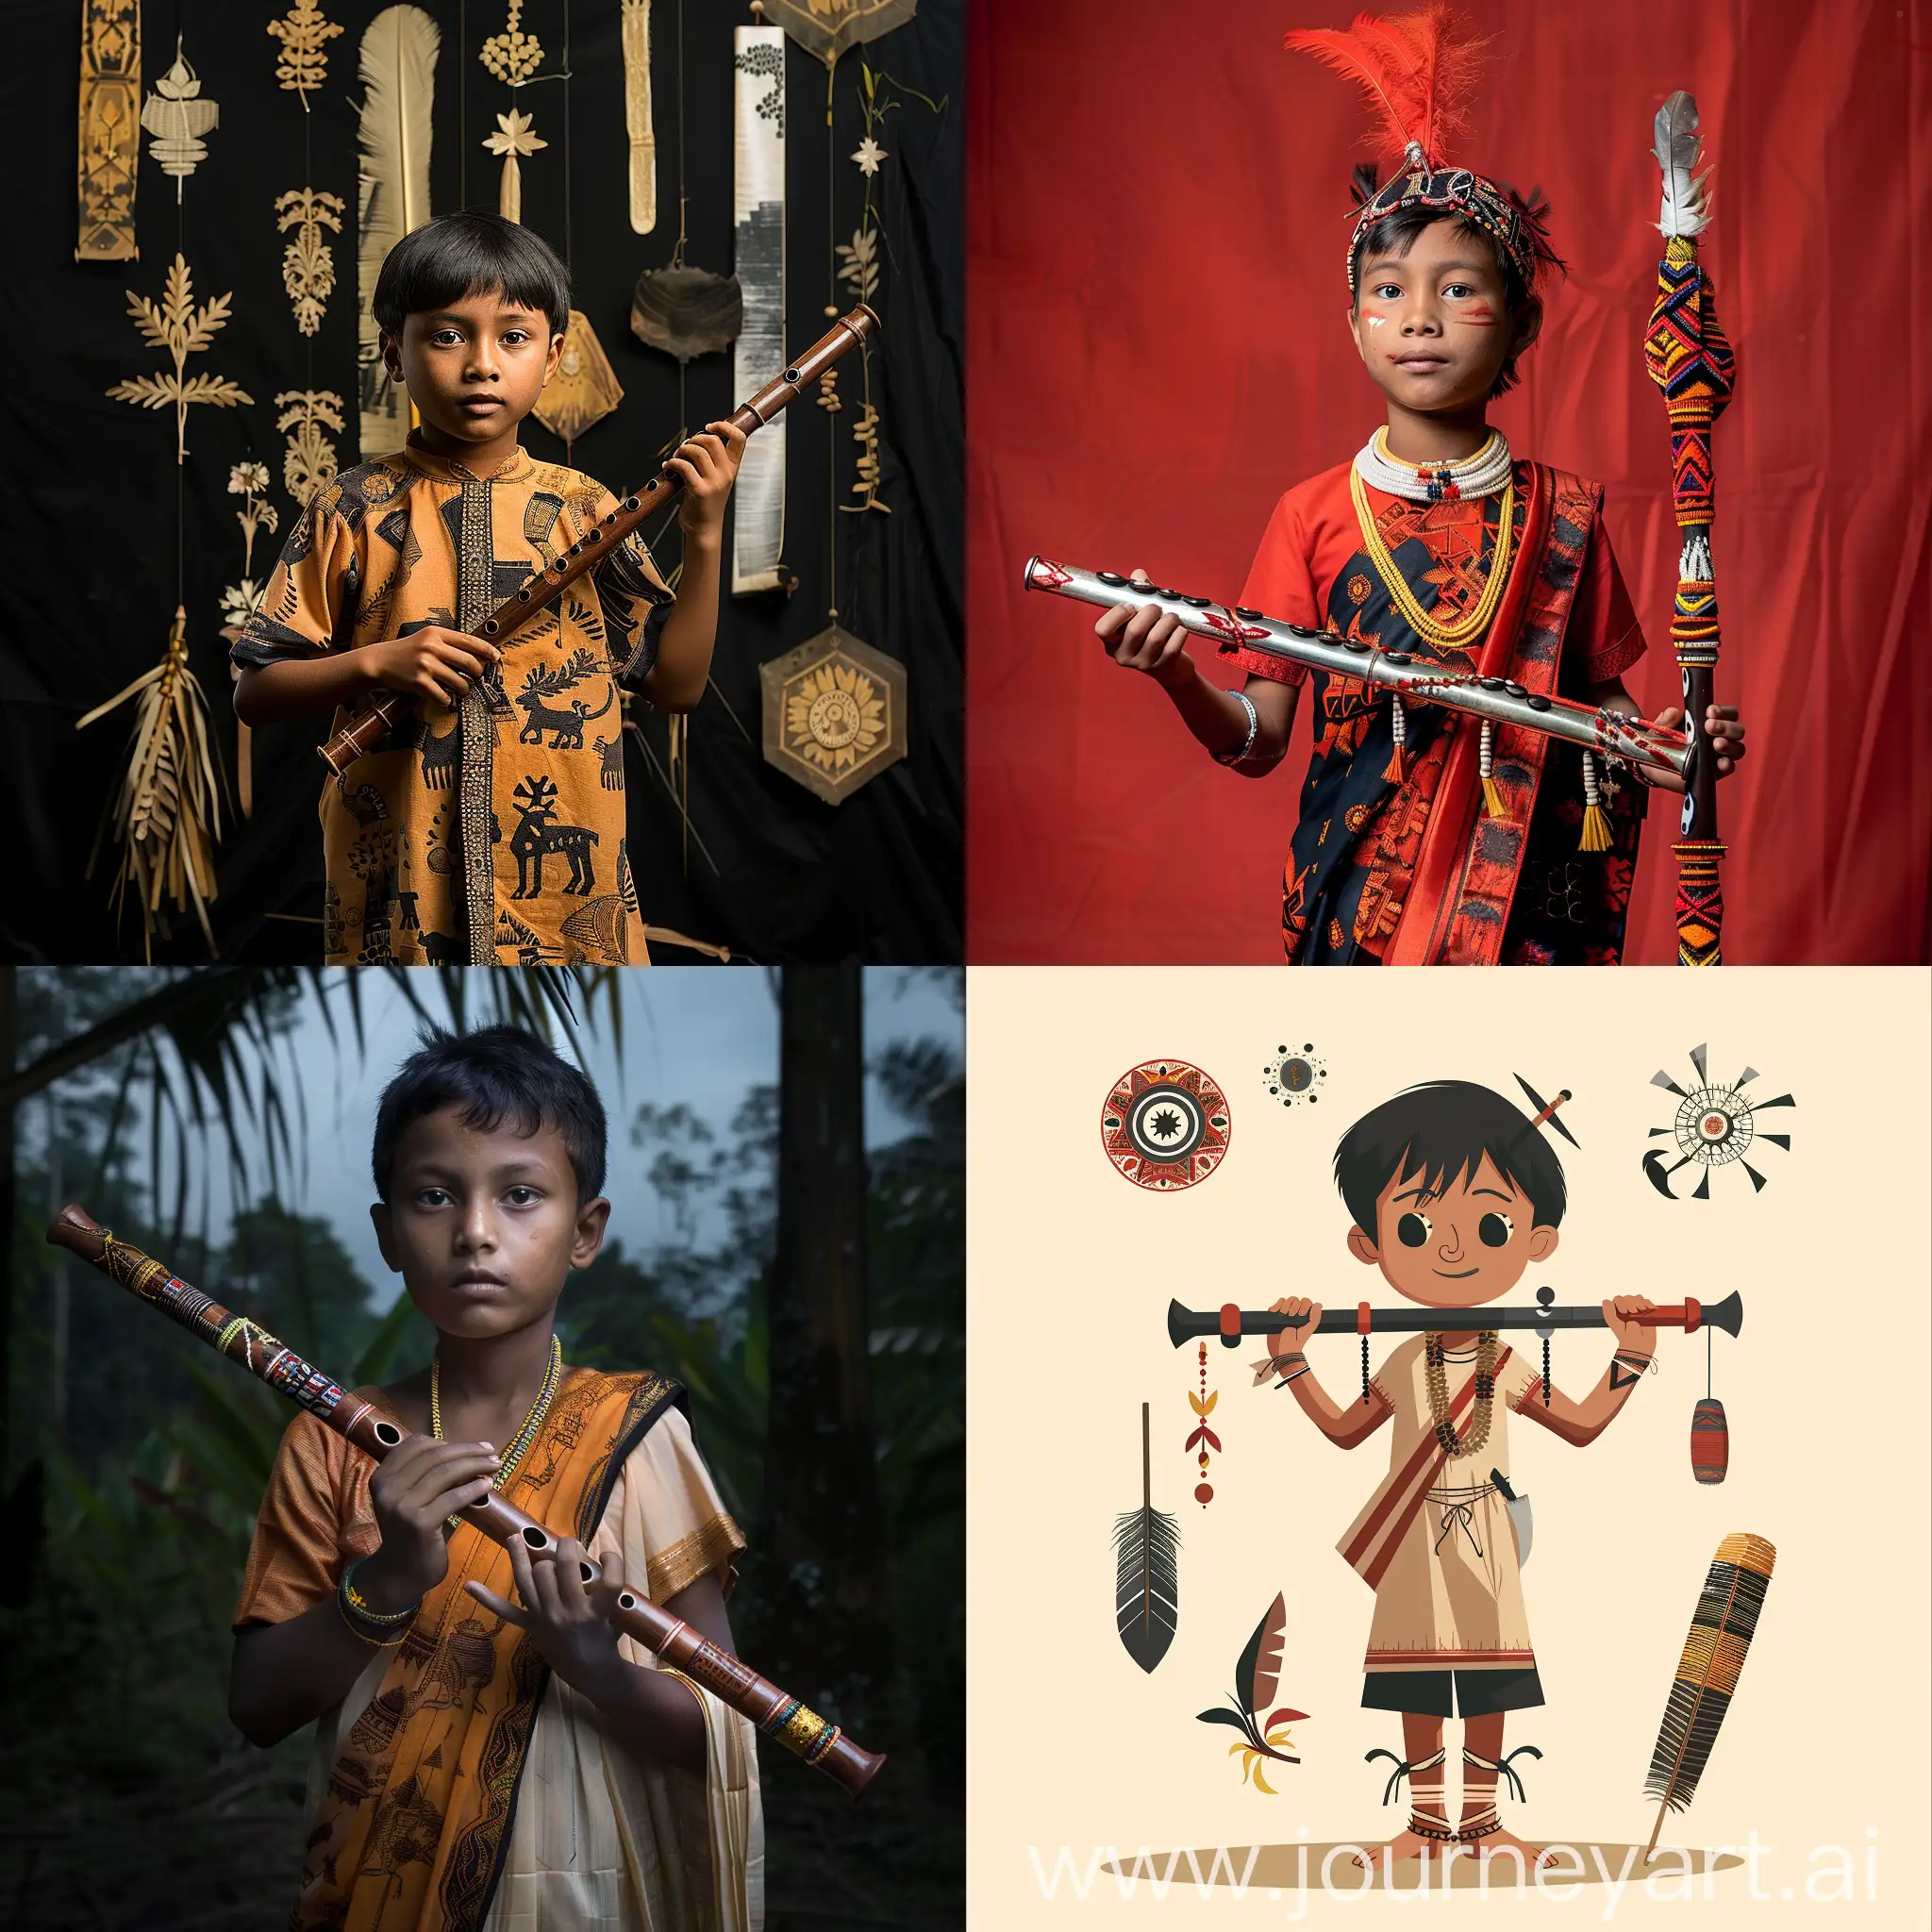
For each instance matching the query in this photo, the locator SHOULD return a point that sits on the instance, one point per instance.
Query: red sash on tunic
(1372, 1542)
(1465, 875)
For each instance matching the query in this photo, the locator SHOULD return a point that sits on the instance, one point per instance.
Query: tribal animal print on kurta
(491, 832)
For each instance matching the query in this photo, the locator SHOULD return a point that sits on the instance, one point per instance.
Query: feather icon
(1678, 147)
(1147, 1545)
(1257, 1678)
(1721, 1627)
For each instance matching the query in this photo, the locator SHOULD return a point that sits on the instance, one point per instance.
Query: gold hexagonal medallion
(834, 713)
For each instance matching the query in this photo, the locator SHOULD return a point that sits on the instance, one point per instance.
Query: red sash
(1466, 873)
(1374, 1537)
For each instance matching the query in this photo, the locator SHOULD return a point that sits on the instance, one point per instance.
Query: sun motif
(834, 716)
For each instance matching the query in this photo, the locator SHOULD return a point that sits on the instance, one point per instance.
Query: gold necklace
(532, 1422)
(1444, 636)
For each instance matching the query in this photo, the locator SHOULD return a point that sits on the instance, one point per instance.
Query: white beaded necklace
(1481, 475)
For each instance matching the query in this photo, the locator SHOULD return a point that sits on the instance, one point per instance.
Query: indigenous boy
(1454, 1194)
(1425, 838)
(459, 839)
(453, 1783)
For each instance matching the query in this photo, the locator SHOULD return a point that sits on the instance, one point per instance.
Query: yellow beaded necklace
(532, 1422)
(1466, 629)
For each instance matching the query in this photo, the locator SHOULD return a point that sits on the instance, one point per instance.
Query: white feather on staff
(1678, 146)
(398, 66)
(637, 116)
(167, 814)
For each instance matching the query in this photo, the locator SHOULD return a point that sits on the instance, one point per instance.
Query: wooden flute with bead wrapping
(375, 719)
(800, 1730)
(1612, 734)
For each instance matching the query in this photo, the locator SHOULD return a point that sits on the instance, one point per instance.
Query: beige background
(1071, 1269)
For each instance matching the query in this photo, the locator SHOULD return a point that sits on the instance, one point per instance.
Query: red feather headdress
(1419, 72)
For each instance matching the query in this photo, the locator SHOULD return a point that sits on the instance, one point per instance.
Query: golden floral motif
(304, 36)
(308, 264)
(176, 325)
(833, 716)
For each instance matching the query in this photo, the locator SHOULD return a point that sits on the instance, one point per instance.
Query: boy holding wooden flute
(489, 826)
(514, 1766)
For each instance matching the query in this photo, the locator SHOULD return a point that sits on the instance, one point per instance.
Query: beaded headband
(1461, 190)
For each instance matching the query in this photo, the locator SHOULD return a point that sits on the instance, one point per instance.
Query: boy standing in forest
(453, 1782)
(1425, 837)
(457, 840)
(1453, 1192)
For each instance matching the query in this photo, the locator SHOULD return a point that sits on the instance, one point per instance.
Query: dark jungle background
(812, 1269)
(769, 870)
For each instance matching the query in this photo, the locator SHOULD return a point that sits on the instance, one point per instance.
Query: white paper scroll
(759, 211)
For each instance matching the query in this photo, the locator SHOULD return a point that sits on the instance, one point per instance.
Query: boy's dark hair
(1441, 1131)
(455, 255)
(496, 1076)
(1395, 233)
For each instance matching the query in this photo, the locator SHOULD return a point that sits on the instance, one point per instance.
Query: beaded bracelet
(355, 1605)
(1296, 1377)
(1247, 704)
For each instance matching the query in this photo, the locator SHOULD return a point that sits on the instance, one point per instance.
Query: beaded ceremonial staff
(1691, 363)
(777, 1715)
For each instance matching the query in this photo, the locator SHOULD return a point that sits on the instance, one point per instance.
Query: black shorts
(1452, 1694)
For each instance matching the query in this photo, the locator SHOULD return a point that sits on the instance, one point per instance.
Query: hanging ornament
(176, 118)
(512, 55)
(249, 481)
(759, 256)
(1165, 1125)
(868, 156)
(166, 816)
(637, 116)
(308, 263)
(1715, 1125)
(179, 327)
(687, 311)
(1203, 1438)
(304, 36)
(398, 71)
(515, 135)
(584, 389)
(309, 463)
(834, 713)
(825, 29)
(110, 129)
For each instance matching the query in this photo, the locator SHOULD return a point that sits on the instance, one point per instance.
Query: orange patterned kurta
(457, 1790)
(490, 833)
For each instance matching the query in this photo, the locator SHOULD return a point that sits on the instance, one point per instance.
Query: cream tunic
(1451, 1594)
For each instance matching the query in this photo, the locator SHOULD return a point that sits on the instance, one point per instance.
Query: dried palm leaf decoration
(166, 816)
(637, 116)
(398, 68)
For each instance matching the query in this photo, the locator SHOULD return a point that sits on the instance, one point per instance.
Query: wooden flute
(1609, 733)
(800, 1730)
(1231, 1323)
(375, 719)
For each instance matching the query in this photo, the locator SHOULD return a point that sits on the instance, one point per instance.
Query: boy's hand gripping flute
(373, 722)
(1691, 363)
(1611, 733)
(776, 1715)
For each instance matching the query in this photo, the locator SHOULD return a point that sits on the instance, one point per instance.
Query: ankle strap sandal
(1510, 1782)
(1402, 1771)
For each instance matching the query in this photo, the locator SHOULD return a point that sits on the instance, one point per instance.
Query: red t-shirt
(1313, 536)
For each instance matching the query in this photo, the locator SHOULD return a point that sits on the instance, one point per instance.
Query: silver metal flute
(1609, 733)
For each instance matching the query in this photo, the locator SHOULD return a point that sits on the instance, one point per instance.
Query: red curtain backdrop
(1158, 220)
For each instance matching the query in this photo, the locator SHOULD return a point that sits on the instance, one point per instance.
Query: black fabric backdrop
(87, 518)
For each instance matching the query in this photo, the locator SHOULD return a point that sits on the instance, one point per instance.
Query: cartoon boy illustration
(1454, 1192)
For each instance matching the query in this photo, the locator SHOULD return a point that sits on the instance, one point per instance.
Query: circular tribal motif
(1713, 1125)
(1294, 1075)
(1165, 1124)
